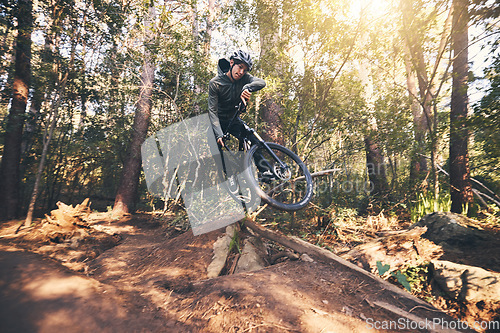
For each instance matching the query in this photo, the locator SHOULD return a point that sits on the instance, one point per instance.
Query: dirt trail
(37, 294)
(152, 282)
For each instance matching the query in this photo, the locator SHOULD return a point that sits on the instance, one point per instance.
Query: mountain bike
(266, 171)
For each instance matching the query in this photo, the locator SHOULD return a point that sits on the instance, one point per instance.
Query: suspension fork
(269, 150)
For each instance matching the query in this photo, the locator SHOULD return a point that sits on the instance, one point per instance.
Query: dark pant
(237, 129)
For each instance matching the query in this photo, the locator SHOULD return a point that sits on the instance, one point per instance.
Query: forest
(399, 97)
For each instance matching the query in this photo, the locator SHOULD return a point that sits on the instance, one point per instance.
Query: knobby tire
(289, 193)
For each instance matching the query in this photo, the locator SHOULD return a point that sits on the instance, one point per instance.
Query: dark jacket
(224, 95)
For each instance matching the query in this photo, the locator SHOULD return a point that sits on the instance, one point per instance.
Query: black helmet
(243, 57)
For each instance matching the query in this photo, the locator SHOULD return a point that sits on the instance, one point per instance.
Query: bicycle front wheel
(285, 184)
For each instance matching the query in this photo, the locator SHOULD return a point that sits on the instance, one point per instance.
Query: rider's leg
(238, 130)
(216, 152)
(262, 163)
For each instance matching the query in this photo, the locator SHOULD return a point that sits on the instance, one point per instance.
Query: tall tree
(211, 9)
(416, 26)
(7, 54)
(418, 163)
(375, 164)
(59, 15)
(461, 191)
(9, 170)
(486, 121)
(127, 191)
(269, 23)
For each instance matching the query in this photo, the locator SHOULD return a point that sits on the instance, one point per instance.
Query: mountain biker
(225, 91)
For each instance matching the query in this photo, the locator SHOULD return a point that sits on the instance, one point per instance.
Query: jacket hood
(223, 67)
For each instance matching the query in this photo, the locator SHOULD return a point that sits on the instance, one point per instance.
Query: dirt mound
(154, 266)
(72, 244)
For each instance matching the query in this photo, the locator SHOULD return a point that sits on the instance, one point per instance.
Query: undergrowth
(427, 204)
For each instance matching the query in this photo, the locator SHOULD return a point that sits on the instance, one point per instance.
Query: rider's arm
(213, 100)
(253, 83)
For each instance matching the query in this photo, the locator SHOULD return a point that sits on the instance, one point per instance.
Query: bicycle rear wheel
(289, 188)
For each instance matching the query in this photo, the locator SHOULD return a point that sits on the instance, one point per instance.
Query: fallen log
(417, 309)
(396, 250)
(303, 247)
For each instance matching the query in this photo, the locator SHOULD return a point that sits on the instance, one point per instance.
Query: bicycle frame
(240, 109)
(269, 170)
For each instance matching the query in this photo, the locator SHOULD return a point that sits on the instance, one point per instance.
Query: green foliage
(402, 279)
(312, 70)
(426, 204)
(416, 277)
(398, 275)
(234, 244)
(485, 124)
(382, 269)
(412, 278)
(394, 120)
(95, 110)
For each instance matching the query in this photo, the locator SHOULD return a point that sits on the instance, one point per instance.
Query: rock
(463, 240)
(450, 229)
(221, 251)
(287, 253)
(306, 258)
(467, 283)
(252, 255)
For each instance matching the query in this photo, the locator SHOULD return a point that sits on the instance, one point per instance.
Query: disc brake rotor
(282, 173)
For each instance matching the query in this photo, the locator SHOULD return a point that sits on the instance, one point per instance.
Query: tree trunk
(426, 82)
(210, 27)
(52, 42)
(423, 116)
(127, 191)
(202, 42)
(49, 131)
(11, 157)
(461, 191)
(271, 116)
(46, 142)
(375, 165)
(418, 164)
(269, 28)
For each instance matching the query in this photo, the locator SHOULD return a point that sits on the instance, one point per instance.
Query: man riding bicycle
(225, 91)
(279, 172)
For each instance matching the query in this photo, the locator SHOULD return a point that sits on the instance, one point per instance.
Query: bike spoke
(288, 189)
